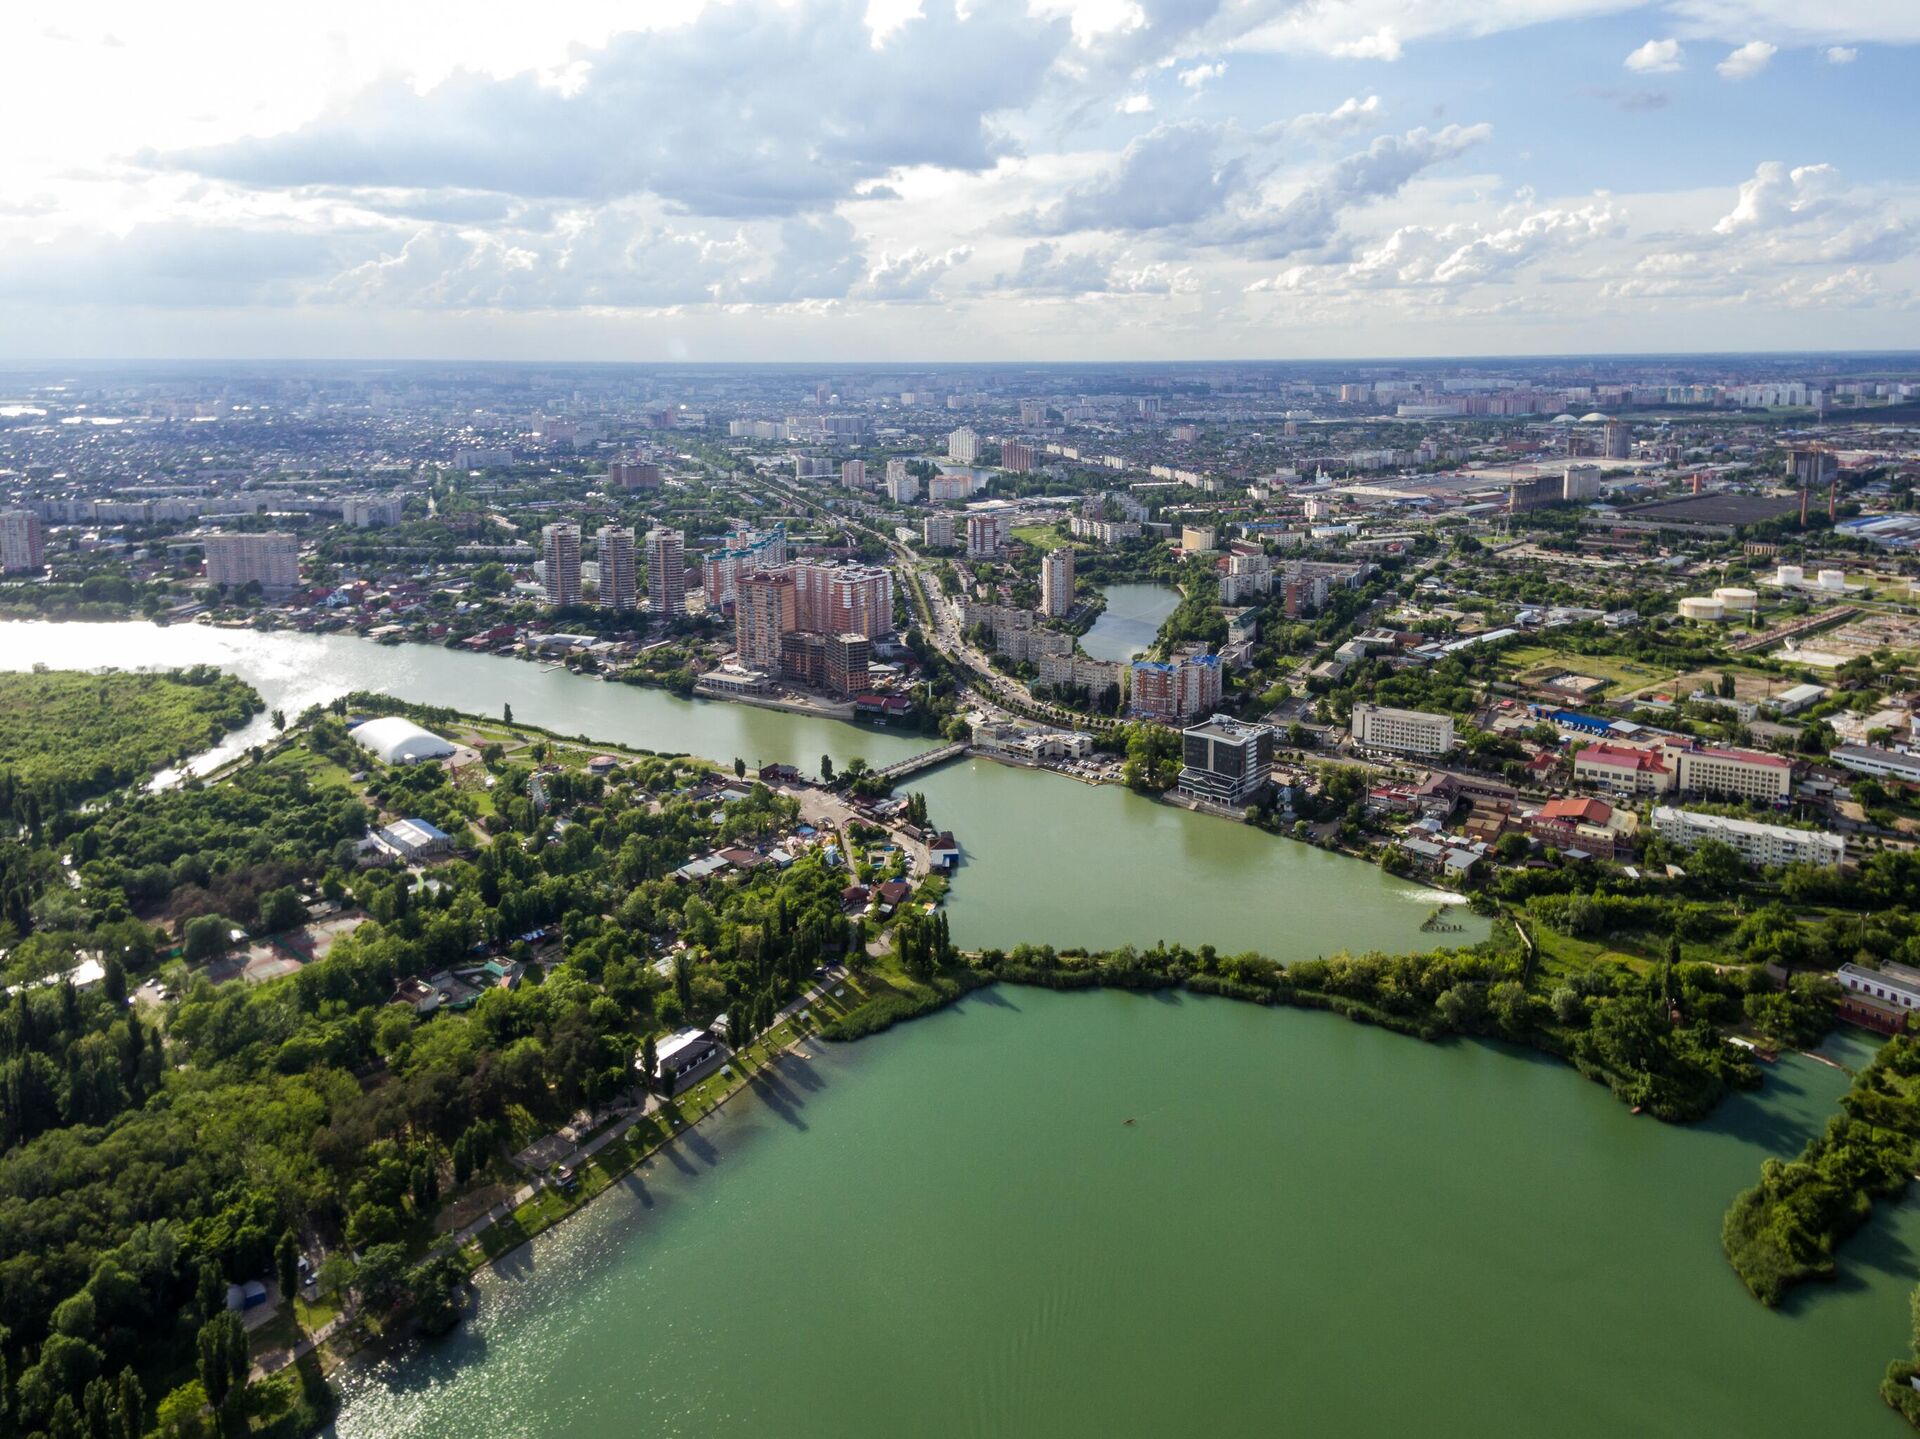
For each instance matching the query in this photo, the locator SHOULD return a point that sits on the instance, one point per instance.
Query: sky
(927, 180)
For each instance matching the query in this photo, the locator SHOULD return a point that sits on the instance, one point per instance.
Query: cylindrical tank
(1791, 575)
(1737, 597)
(1833, 579)
(1702, 607)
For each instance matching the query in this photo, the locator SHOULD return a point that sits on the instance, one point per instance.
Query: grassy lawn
(315, 1316)
(1562, 955)
(1621, 675)
(1039, 536)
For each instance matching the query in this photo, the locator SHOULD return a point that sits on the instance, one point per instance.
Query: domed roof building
(400, 741)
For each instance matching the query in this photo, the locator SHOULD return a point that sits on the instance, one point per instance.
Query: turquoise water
(1311, 1227)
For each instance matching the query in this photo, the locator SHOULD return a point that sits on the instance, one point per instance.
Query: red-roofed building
(1622, 769)
(1591, 826)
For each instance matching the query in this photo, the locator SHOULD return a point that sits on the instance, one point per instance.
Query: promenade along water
(1045, 858)
(1310, 1227)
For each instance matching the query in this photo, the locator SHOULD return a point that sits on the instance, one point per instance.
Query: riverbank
(819, 709)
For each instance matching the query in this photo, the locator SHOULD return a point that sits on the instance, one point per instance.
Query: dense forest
(153, 1152)
(66, 736)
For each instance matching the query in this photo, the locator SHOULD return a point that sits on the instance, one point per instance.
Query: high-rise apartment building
(853, 474)
(619, 588)
(1177, 689)
(1618, 441)
(837, 599)
(22, 547)
(936, 530)
(1056, 582)
(847, 660)
(1226, 760)
(1016, 457)
(560, 564)
(896, 469)
(986, 536)
(764, 610)
(904, 490)
(633, 475)
(666, 574)
(271, 560)
(963, 446)
(368, 512)
(746, 552)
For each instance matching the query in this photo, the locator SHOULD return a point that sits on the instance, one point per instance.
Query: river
(1311, 1227)
(1045, 858)
(1132, 618)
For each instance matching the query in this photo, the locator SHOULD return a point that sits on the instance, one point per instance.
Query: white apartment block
(1762, 844)
(618, 585)
(1402, 731)
(963, 446)
(560, 564)
(1056, 582)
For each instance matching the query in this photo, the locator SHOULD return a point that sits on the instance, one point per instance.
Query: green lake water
(1312, 1227)
(1130, 621)
(1048, 859)
(1044, 858)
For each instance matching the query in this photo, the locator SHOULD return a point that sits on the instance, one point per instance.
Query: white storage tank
(1833, 579)
(1790, 575)
(1702, 607)
(1737, 598)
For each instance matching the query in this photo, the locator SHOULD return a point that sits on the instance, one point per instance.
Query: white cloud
(1135, 105)
(1461, 255)
(1310, 219)
(911, 275)
(1747, 61)
(1841, 54)
(1381, 44)
(685, 114)
(1047, 268)
(1777, 197)
(1350, 114)
(1173, 175)
(1657, 57)
(1200, 76)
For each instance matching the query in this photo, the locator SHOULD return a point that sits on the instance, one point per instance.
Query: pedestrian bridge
(913, 764)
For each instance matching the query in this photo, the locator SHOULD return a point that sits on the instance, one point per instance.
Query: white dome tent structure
(400, 741)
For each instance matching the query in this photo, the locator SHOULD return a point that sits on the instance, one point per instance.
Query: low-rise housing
(1879, 999)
